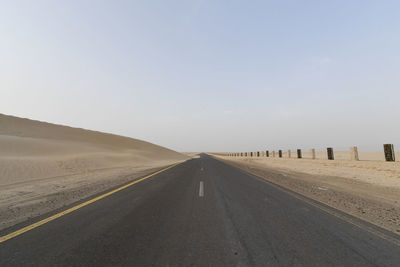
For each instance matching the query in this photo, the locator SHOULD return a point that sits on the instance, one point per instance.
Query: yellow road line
(58, 215)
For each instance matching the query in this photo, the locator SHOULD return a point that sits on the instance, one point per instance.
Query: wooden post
(299, 153)
(313, 153)
(258, 153)
(289, 153)
(251, 154)
(267, 153)
(389, 152)
(280, 153)
(330, 153)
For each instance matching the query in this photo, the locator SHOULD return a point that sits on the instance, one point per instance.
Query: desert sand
(368, 189)
(371, 167)
(45, 166)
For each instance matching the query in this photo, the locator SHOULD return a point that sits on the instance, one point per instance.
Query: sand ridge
(31, 150)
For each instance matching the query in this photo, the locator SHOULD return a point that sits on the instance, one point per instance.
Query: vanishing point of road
(202, 212)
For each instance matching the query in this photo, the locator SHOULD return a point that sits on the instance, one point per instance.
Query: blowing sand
(45, 166)
(368, 189)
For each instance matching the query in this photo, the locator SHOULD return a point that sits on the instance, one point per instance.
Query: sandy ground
(45, 166)
(369, 189)
(371, 171)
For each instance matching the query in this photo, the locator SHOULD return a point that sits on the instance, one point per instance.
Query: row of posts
(387, 148)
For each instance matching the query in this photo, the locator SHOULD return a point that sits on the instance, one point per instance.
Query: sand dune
(32, 149)
(44, 166)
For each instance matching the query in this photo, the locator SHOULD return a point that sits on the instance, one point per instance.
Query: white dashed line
(201, 189)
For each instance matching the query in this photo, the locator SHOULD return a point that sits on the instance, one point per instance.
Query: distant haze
(208, 75)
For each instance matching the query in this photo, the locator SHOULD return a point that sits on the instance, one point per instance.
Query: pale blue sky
(208, 75)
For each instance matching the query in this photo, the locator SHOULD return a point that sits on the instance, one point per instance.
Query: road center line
(201, 189)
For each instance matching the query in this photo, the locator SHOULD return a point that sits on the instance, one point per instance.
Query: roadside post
(389, 152)
(312, 153)
(299, 153)
(354, 153)
(280, 153)
(330, 153)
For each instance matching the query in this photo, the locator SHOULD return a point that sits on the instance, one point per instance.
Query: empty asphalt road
(202, 212)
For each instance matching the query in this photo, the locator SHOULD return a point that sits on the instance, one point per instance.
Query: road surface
(202, 213)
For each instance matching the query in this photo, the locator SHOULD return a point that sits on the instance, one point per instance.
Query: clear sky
(208, 75)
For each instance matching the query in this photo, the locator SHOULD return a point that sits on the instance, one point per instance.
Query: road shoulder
(375, 204)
